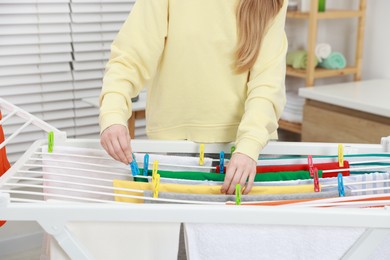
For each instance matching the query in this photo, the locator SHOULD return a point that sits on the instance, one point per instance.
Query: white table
(347, 112)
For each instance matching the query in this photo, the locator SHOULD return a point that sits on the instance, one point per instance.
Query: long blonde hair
(253, 18)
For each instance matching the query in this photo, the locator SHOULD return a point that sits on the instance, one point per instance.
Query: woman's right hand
(116, 141)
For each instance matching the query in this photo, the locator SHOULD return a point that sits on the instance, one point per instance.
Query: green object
(335, 61)
(210, 176)
(321, 5)
(298, 59)
(232, 149)
(238, 194)
(50, 142)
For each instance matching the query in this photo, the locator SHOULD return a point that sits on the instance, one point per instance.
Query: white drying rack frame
(54, 217)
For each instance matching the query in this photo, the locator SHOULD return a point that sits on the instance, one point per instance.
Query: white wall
(377, 41)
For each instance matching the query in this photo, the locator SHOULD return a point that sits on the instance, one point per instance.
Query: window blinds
(94, 26)
(52, 55)
(35, 71)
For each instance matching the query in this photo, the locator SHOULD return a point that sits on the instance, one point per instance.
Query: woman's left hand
(239, 169)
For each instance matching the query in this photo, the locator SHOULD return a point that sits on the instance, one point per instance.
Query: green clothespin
(50, 141)
(238, 194)
(232, 149)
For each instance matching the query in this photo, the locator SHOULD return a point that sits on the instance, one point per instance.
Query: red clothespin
(316, 180)
(311, 166)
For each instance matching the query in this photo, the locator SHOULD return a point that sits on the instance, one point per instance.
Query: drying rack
(55, 217)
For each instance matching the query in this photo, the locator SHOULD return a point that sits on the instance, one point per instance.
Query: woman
(215, 72)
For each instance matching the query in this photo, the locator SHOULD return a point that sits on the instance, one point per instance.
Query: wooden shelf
(320, 72)
(329, 14)
(290, 126)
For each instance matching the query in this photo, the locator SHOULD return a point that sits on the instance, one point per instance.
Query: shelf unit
(312, 73)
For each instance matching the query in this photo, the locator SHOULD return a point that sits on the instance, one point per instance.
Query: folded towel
(229, 241)
(322, 51)
(335, 61)
(298, 59)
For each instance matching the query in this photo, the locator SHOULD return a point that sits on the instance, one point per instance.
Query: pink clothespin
(316, 180)
(311, 166)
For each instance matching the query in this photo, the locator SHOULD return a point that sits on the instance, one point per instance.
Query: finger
(250, 182)
(111, 152)
(124, 142)
(118, 151)
(103, 144)
(236, 180)
(244, 178)
(230, 170)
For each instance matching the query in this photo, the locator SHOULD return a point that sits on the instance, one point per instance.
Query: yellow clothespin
(201, 154)
(341, 155)
(154, 172)
(156, 185)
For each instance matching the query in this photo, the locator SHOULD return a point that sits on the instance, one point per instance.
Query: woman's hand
(239, 169)
(116, 141)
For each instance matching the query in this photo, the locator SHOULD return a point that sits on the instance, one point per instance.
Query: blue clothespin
(340, 185)
(134, 167)
(146, 164)
(221, 162)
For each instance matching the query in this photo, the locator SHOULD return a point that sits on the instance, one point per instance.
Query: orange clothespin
(201, 154)
(341, 155)
(4, 163)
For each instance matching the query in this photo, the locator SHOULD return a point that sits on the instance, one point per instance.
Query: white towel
(231, 242)
(322, 51)
(293, 111)
(226, 241)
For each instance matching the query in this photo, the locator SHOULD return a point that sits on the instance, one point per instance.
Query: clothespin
(201, 154)
(156, 185)
(238, 194)
(316, 180)
(232, 149)
(221, 162)
(311, 166)
(134, 166)
(341, 155)
(146, 164)
(155, 168)
(340, 185)
(50, 142)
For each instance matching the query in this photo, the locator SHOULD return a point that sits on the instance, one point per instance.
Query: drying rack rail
(23, 194)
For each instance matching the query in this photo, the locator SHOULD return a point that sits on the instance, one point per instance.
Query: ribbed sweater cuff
(249, 147)
(110, 119)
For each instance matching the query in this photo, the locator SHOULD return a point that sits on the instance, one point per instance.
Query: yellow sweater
(183, 50)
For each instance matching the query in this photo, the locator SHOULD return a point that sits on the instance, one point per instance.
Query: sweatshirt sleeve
(266, 95)
(135, 54)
